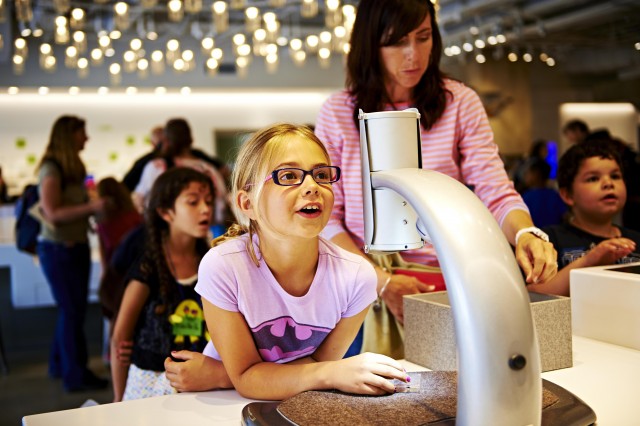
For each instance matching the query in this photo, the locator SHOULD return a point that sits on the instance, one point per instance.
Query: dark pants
(356, 345)
(67, 270)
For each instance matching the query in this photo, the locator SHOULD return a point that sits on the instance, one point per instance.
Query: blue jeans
(67, 271)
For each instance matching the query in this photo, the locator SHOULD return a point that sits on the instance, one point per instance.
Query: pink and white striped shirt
(460, 144)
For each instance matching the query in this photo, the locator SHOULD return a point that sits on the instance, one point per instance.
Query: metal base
(569, 410)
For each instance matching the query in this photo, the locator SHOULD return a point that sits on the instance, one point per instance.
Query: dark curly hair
(164, 193)
(382, 23)
(571, 160)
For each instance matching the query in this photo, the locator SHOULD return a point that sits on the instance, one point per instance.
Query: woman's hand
(609, 251)
(367, 374)
(401, 285)
(537, 258)
(195, 372)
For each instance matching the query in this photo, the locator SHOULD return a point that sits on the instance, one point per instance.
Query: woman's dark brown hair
(382, 23)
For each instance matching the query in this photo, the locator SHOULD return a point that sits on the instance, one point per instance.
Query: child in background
(545, 204)
(591, 184)
(118, 218)
(289, 301)
(160, 310)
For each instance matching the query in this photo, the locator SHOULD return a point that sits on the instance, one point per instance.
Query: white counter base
(606, 377)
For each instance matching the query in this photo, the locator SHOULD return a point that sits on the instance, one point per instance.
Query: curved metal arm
(489, 301)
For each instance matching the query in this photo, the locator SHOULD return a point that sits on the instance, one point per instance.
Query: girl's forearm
(119, 373)
(271, 381)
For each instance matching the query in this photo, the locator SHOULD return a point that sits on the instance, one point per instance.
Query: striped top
(460, 144)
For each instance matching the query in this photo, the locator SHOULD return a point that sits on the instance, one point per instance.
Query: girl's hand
(401, 285)
(609, 251)
(537, 258)
(124, 352)
(367, 374)
(195, 372)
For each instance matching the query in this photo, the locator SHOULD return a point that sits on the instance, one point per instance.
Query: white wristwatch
(532, 230)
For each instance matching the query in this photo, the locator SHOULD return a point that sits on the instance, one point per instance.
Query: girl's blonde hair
(254, 163)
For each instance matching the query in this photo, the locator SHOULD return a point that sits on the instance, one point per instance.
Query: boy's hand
(609, 251)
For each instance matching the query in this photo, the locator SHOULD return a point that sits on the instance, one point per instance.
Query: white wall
(119, 124)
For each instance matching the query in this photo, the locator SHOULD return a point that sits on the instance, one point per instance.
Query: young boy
(591, 184)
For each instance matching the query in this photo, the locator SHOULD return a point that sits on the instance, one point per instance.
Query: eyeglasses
(292, 177)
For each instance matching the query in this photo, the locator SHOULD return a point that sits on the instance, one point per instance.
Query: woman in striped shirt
(393, 65)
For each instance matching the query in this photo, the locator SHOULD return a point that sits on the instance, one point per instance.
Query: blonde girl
(281, 303)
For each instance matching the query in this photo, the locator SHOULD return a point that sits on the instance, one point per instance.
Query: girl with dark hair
(63, 249)
(393, 64)
(160, 311)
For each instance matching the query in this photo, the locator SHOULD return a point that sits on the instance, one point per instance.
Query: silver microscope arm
(499, 369)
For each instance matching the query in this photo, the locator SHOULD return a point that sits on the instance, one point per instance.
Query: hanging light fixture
(220, 16)
(332, 13)
(114, 74)
(212, 66)
(77, 19)
(122, 15)
(252, 19)
(45, 51)
(309, 8)
(324, 57)
(83, 67)
(143, 68)
(175, 12)
(130, 61)
(62, 30)
(96, 57)
(173, 51)
(80, 41)
(157, 62)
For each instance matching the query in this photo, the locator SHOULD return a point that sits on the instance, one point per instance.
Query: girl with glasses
(281, 303)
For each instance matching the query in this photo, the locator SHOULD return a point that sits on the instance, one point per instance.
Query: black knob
(517, 362)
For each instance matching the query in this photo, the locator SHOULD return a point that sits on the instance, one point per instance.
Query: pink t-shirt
(460, 144)
(285, 327)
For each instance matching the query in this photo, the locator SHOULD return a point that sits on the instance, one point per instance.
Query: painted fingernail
(408, 379)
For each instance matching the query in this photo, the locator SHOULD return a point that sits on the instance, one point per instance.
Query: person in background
(282, 303)
(176, 151)
(576, 131)
(3, 189)
(544, 203)
(118, 219)
(393, 64)
(538, 151)
(63, 249)
(160, 311)
(591, 184)
(132, 177)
